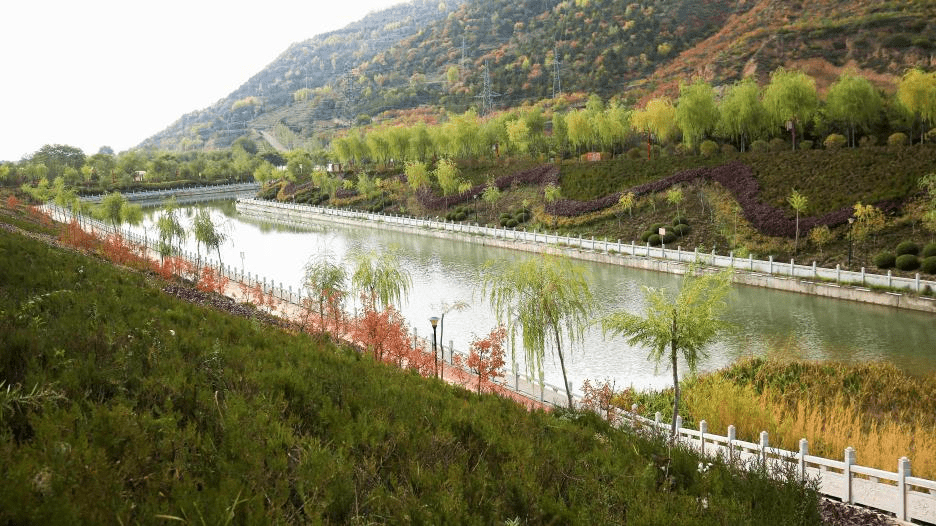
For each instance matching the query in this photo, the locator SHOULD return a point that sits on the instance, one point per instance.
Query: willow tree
(742, 114)
(854, 101)
(696, 111)
(791, 99)
(171, 231)
(657, 118)
(547, 299)
(917, 93)
(379, 278)
(207, 233)
(325, 280)
(685, 324)
(115, 208)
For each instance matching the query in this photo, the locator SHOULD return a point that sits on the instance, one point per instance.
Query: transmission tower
(487, 94)
(350, 96)
(464, 48)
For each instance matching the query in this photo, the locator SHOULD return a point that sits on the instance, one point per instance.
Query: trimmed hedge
(929, 265)
(908, 247)
(929, 250)
(907, 262)
(885, 260)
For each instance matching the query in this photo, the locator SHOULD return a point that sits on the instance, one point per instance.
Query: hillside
(496, 54)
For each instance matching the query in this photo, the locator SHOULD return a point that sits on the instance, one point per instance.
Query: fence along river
(763, 321)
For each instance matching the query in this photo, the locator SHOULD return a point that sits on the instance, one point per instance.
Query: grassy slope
(146, 407)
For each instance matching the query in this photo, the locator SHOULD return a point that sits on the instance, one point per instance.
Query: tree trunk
(565, 381)
(675, 379)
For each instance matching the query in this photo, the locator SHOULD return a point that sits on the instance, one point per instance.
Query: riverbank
(829, 283)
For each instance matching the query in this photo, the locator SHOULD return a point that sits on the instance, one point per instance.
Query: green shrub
(669, 237)
(929, 265)
(654, 240)
(834, 141)
(760, 146)
(805, 145)
(680, 220)
(908, 247)
(867, 141)
(929, 250)
(884, 260)
(681, 229)
(461, 215)
(636, 153)
(897, 139)
(655, 227)
(708, 148)
(646, 235)
(728, 149)
(778, 145)
(512, 223)
(907, 262)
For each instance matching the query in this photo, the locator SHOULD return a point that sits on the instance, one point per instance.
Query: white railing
(769, 267)
(148, 195)
(909, 498)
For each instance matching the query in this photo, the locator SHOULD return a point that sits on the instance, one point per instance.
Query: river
(762, 321)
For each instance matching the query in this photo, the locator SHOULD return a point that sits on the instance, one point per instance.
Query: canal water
(763, 322)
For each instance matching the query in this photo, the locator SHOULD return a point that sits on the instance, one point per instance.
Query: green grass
(147, 409)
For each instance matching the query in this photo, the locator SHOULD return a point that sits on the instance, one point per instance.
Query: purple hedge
(738, 179)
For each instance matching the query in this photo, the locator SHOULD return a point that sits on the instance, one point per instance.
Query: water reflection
(763, 321)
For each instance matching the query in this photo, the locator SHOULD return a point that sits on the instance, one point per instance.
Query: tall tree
(685, 324)
(798, 202)
(171, 231)
(207, 233)
(379, 278)
(791, 99)
(115, 208)
(917, 93)
(658, 118)
(696, 111)
(446, 173)
(325, 280)
(853, 101)
(547, 299)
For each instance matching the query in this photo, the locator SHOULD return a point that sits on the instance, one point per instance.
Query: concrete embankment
(614, 254)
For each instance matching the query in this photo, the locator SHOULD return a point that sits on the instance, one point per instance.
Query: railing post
(703, 429)
(849, 497)
(732, 436)
(803, 451)
(764, 444)
(657, 421)
(903, 471)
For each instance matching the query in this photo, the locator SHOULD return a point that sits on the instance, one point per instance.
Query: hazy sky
(98, 73)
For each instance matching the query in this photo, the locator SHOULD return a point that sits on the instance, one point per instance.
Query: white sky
(98, 73)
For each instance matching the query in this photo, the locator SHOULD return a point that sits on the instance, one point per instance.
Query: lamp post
(851, 222)
(435, 356)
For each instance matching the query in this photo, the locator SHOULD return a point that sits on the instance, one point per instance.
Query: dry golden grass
(880, 412)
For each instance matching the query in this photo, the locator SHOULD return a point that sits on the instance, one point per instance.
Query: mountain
(495, 54)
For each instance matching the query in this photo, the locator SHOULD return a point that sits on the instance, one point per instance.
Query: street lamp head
(434, 321)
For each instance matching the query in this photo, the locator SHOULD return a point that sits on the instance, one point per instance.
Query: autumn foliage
(211, 280)
(599, 400)
(486, 358)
